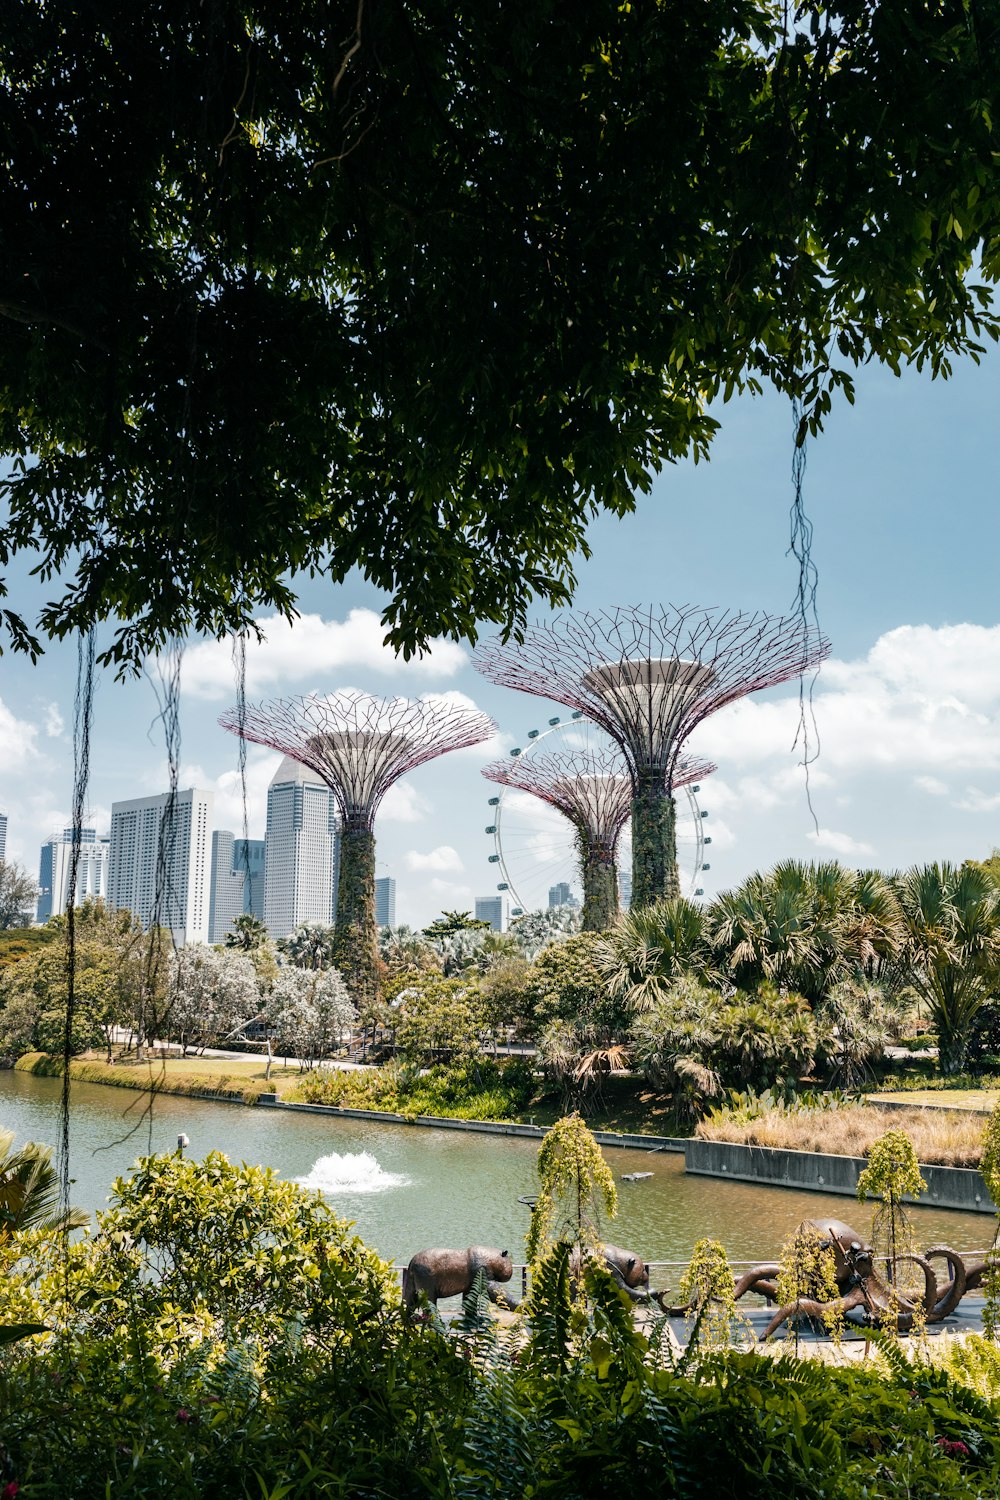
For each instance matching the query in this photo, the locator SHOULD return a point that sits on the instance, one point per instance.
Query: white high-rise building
(237, 882)
(142, 838)
(385, 902)
(301, 849)
(492, 909)
(54, 865)
(3, 835)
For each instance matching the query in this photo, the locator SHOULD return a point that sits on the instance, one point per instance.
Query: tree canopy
(419, 287)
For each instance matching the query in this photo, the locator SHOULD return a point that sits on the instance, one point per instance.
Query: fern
(549, 1311)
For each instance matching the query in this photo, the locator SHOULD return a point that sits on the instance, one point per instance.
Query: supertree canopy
(648, 676)
(592, 788)
(360, 746)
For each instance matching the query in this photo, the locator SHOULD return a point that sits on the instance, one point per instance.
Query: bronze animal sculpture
(446, 1273)
(860, 1285)
(628, 1271)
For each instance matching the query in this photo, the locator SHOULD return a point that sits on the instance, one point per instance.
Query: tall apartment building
(142, 838)
(385, 902)
(624, 889)
(3, 835)
(302, 849)
(561, 895)
(237, 883)
(492, 909)
(54, 868)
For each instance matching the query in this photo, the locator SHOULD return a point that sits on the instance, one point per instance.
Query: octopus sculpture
(862, 1289)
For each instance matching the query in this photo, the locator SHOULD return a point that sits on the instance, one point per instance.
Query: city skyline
(907, 709)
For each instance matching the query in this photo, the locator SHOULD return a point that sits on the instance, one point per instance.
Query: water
(407, 1188)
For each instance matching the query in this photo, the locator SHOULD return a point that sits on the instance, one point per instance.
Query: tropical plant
(17, 895)
(30, 1193)
(715, 1320)
(892, 1173)
(952, 949)
(696, 1041)
(805, 927)
(857, 1020)
(651, 947)
(435, 1019)
(246, 931)
(569, 985)
(214, 994)
(311, 945)
(536, 930)
(575, 1186)
(402, 950)
(808, 1270)
(308, 1012)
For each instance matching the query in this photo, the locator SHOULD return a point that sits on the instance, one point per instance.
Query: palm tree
(651, 947)
(951, 918)
(806, 927)
(247, 932)
(29, 1191)
(310, 946)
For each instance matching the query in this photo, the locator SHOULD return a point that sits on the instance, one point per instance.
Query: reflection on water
(354, 1172)
(435, 1187)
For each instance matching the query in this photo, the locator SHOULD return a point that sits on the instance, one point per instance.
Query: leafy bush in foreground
(223, 1335)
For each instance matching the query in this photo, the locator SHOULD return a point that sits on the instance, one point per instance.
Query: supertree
(360, 746)
(592, 788)
(648, 677)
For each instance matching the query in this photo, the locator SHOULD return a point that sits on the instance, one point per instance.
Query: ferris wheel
(533, 846)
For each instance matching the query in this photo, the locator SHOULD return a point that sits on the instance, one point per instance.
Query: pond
(407, 1188)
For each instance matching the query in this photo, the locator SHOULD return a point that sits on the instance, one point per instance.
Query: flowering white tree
(308, 1011)
(213, 993)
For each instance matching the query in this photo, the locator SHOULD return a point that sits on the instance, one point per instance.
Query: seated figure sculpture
(450, 1273)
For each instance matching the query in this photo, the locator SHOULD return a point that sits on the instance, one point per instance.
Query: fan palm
(29, 1190)
(951, 918)
(650, 948)
(806, 927)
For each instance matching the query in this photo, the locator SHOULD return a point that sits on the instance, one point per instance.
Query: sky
(902, 490)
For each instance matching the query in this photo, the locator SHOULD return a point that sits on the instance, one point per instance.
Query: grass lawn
(981, 1099)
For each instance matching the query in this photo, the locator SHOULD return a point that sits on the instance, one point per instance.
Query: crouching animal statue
(627, 1270)
(861, 1286)
(447, 1273)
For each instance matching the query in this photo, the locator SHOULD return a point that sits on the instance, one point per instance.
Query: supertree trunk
(600, 882)
(654, 843)
(355, 931)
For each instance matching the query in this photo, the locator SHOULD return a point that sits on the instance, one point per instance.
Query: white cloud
(17, 742)
(308, 648)
(932, 785)
(922, 700)
(54, 722)
(402, 803)
(838, 843)
(444, 859)
(978, 802)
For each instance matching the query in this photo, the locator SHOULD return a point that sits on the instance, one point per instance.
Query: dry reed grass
(941, 1137)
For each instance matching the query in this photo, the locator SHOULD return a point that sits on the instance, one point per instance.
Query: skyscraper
(625, 889)
(561, 895)
(301, 849)
(54, 866)
(385, 902)
(151, 850)
(492, 909)
(3, 835)
(237, 882)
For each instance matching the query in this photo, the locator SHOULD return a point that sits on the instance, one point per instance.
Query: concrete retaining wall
(947, 1187)
(484, 1127)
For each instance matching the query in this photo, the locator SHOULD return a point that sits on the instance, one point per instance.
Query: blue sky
(902, 490)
